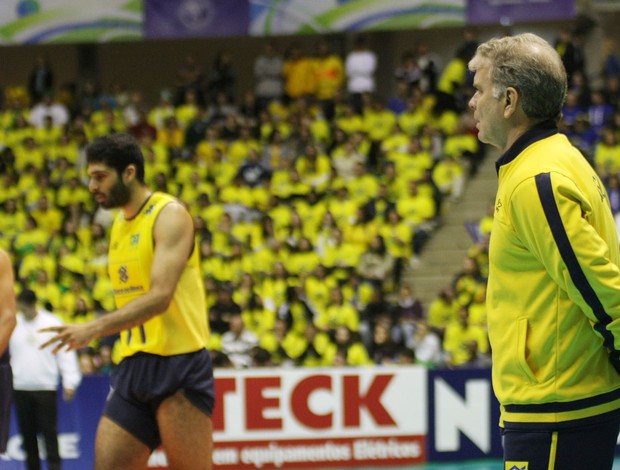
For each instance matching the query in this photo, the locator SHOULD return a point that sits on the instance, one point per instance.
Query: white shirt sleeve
(69, 369)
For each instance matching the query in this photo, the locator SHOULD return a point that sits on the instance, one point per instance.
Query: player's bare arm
(173, 235)
(8, 308)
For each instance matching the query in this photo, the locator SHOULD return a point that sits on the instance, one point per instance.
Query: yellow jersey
(183, 327)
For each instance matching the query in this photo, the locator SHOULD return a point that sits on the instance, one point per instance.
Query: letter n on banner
(463, 415)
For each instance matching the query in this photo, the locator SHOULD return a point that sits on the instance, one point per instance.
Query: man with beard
(162, 390)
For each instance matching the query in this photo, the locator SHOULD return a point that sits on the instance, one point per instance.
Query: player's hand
(69, 337)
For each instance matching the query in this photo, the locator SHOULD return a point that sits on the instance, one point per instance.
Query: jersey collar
(539, 131)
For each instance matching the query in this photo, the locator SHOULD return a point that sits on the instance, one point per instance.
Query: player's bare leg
(186, 434)
(117, 449)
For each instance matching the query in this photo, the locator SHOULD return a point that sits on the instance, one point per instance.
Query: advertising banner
(273, 17)
(315, 418)
(509, 12)
(331, 417)
(77, 425)
(195, 18)
(280, 418)
(64, 21)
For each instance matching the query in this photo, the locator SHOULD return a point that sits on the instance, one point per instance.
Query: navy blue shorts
(588, 447)
(6, 391)
(142, 382)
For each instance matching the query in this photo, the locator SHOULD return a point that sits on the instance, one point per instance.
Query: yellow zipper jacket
(554, 287)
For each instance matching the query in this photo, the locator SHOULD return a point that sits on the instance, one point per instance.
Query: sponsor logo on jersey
(122, 274)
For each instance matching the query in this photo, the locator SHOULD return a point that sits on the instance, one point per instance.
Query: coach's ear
(511, 103)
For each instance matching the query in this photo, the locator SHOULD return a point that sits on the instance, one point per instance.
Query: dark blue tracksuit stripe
(547, 199)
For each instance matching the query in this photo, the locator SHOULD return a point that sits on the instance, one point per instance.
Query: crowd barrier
(307, 417)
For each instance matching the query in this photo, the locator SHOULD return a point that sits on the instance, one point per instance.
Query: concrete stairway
(443, 256)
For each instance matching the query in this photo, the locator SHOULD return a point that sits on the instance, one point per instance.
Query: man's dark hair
(27, 297)
(117, 151)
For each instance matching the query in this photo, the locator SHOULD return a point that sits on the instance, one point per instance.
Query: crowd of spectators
(312, 195)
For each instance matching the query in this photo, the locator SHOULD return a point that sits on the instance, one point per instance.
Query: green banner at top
(87, 21)
(64, 21)
(272, 17)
